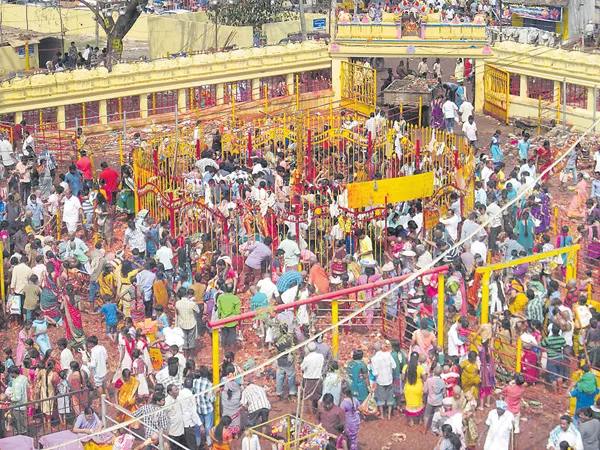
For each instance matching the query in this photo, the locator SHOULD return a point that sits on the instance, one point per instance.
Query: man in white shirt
(7, 154)
(529, 166)
(466, 110)
(371, 125)
(71, 209)
(499, 426)
(182, 416)
(312, 369)
(383, 366)
(97, 364)
(267, 287)
(487, 172)
(456, 347)
(291, 252)
(469, 130)
(66, 355)
(164, 255)
(450, 110)
(596, 158)
(566, 431)
(478, 247)
(451, 222)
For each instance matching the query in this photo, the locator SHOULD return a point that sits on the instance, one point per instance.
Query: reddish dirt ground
(374, 434)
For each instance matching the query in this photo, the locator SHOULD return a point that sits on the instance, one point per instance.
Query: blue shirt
(596, 188)
(258, 300)
(110, 312)
(523, 148)
(74, 181)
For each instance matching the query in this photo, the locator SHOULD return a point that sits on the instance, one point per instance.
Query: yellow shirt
(366, 248)
(107, 284)
(518, 306)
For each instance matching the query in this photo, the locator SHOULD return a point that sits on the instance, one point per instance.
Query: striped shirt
(204, 401)
(154, 422)
(255, 398)
(554, 346)
(87, 206)
(535, 309)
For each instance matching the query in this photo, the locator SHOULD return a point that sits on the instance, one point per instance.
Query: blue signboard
(319, 24)
(21, 52)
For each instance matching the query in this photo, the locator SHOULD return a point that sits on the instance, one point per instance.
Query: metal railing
(44, 416)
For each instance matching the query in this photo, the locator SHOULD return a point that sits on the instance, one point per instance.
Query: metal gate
(359, 87)
(496, 92)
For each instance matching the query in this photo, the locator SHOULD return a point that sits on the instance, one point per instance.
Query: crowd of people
(158, 293)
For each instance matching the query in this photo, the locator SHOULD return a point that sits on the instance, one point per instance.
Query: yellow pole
(121, 156)
(335, 318)
(83, 114)
(216, 375)
(539, 130)
(574, 264)
(27, 64)
(401, 108)
(555, 227)
(58, 224)
(570, 273)
(519, 355)
(266, 95)
(297, 93)
(420, 110)
(440, 311)
(485, 296)
(136, 174)
(2, 286)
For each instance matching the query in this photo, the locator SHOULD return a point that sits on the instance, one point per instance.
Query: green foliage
(254, 13)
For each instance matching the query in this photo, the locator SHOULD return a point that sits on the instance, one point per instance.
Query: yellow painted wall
(191, 32)
(433, 32)
(59, 89)
(557, 65)
(75, 21)
(11, 62)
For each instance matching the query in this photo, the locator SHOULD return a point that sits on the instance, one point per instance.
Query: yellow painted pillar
(144, 106)
(220, 94)
(335, 318)
(266, 97)
(18, 116)
(440, 310)
(290, 80)
(574, 253)
(336, 77)
(519, 355)
(216, 371)
(103, 112)
(2, 286)
(485, 297)
(59, 223)
(61, 117)
(181, 103)
(479, 90)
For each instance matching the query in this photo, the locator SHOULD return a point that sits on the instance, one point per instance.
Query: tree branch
(94, 9)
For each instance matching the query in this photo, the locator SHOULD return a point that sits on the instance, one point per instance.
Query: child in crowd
(111, 316)
(32, 294)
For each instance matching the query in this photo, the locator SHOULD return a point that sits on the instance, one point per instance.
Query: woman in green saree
(358, 376)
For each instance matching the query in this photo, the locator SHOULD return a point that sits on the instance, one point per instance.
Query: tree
(254, 13)
(127, 14)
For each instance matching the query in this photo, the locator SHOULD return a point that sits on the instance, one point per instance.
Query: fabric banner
(549, 14)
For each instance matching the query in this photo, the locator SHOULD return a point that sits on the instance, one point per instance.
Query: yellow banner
(391, 190)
